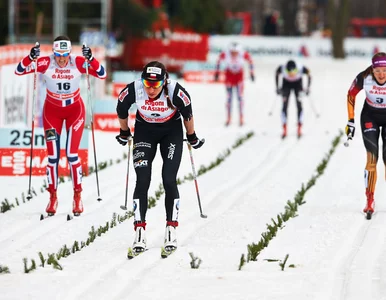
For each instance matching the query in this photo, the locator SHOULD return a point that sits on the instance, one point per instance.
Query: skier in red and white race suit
(234, 59)
(62, 74)
(373, 119)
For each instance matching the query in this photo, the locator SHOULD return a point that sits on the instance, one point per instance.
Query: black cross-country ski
(70, 217)
(131, 253)
(166, 251)
(43, 217)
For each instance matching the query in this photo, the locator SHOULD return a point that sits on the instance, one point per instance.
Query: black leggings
(373, 124)
(146, 138)
(287, 87)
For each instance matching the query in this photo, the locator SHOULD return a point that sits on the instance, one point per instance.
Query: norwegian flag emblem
(184, 98)
(123, 94)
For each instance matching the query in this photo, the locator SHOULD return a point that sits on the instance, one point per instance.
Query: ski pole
(313, 106)
(349, 138)
(91, 115)
(124, 207)
(273, 105)
(195, 179)
(29, 196)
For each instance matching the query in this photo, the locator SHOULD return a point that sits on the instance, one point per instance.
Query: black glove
(35, 52)
(278, 91)
(123, 136)
(350, 128)
(194, 141)
(253, 77)
(216, 76)
(307, 91)
(86, 51)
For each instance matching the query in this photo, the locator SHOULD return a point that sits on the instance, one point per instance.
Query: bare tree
(289, 11)
(338, 18)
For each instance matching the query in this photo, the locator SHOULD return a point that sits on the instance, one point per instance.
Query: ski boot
(228, 121)
(299, 130)
(284, 131)
(53, 204)
(241, 121)
(170, 241)
(369, 209)
(77, 206)
(139, 244)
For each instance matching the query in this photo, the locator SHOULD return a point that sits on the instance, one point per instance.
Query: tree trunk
(288, 12)
(338, 16)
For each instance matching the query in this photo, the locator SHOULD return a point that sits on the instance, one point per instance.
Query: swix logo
(171, 148)
(77, 125)
(43, 62)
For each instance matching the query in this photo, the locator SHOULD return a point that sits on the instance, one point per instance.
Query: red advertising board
(173, 50)
(109, 122)
(15, 152)
(203, 76)
(16, 162)
(117, 88)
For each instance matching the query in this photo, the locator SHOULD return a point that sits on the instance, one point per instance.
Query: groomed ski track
(240, 197)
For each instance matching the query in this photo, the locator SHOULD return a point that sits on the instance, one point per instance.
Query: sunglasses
(58, 54)
(292, 72)
(152, 84)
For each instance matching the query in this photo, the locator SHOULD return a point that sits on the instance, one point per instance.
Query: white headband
(61, 45)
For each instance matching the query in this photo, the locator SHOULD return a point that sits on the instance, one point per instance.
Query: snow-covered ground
(336, 253)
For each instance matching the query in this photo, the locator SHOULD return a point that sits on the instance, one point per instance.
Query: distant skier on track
(373, 119)
(233, 59)
(62, 74)
(292, 79)
(162, 106)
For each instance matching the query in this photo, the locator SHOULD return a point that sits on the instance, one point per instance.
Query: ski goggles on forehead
(59, 54)
(152, 84)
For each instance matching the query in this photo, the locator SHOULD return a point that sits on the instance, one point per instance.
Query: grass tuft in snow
(290, 210)
(93, 234)
(4, 270)
(282, 264)
(195, 262)
(31, 268)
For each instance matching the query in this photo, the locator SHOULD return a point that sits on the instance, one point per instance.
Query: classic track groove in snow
(336, 253)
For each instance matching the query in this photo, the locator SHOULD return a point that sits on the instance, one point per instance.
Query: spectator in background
(271, 24)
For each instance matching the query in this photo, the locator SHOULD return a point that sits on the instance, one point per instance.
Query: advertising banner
(106, 119)
(15, 149)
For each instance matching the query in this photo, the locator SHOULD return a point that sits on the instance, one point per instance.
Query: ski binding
(133, 252)
(166, 251)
